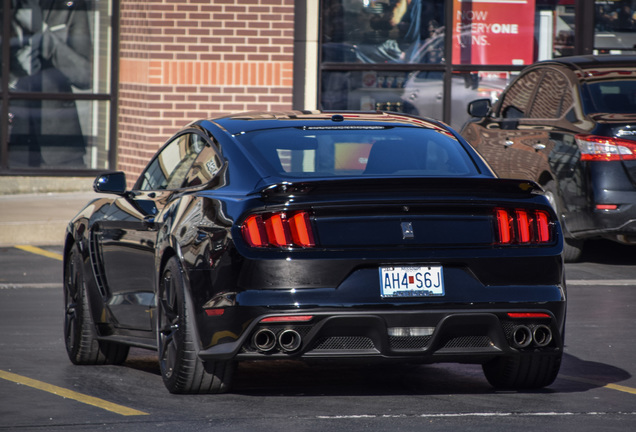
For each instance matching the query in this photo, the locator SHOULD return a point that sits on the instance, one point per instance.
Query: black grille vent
(409, 343)
(344, 343)
(508, 327)
(95, 262)
(469, 342)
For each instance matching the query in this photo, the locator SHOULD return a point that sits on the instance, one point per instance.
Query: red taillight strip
(301, 231)
(214, 312)
(254, 231)
(504, 228)
(528, 315)
(279, 230)
(543, 226)
(288, 318)
(606, 206)
(605, 149)
(521, 226)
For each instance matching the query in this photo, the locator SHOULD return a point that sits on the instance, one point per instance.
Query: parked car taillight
(279, 229)
(600, 148)
(520, 226)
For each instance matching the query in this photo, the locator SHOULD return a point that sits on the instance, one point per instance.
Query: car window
(614, 96)
(517, 98)
(205, 167)
(553, 96)
(169, 168)
(373, 151)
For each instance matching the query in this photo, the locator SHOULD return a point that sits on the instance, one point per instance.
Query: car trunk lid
(406, 213)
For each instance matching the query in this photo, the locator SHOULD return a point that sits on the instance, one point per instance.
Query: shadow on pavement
(608, 252)
(289, 377)
(582, 375)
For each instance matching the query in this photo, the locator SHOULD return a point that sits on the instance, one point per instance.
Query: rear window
(365, 151)
(613, 97)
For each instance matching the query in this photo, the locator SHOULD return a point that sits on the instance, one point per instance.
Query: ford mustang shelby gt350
(314, 235)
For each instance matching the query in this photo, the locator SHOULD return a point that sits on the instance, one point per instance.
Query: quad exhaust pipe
(289, 340)
(523, 336)
(265, 340)
(542, 335)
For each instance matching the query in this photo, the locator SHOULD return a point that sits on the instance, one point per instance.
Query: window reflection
(413, 92)
(615, 26)
(292, 153)
(169, 168)
(46, 133)
(51, 48)
(57, 47)
(373, 31)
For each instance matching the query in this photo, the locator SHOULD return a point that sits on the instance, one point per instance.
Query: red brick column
(186, 59)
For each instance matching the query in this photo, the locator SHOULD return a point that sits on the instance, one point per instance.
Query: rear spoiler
(359, 186)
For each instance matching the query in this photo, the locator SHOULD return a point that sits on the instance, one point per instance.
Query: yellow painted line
(70, 394)
(39, 251)
(617, 387)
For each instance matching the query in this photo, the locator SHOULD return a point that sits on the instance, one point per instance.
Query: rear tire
(572, 248)
(181, 368)
(80, 335)
(519, 372)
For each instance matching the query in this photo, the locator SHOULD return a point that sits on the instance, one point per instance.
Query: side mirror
(111, 182)
(479, 107)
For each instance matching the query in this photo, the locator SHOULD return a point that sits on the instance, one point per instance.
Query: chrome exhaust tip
(289, 340)
(521, 337)
(264, 340)
(542, 335)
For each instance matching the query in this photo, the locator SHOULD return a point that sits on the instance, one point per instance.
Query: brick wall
(186, 59)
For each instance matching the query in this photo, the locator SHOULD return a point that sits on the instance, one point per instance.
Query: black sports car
(308, 235)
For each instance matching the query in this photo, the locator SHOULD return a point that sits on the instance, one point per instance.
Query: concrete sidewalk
(39, 219)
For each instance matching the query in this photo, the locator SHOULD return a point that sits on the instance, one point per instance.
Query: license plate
(412, 281)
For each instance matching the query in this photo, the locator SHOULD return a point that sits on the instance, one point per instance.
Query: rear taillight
(521, 226)
(279, 229)
(603, 149)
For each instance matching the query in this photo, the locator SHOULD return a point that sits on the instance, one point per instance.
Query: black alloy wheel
(181, 368)
(82, 345)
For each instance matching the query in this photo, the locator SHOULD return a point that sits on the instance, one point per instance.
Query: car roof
(594, 61)
(594, 67)
(258, 120)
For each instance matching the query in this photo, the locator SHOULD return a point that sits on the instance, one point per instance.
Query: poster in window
(493, 32)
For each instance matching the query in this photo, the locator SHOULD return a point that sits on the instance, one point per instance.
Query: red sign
(489, 32)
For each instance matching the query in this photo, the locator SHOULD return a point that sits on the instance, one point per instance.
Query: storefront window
(58, 134)
(371, 90)
(51, 47)
(61, 51)
(383, 31)
(615, 26)
(419, 93)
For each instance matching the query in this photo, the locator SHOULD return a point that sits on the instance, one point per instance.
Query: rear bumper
(610, 185)
(351, 319)
(617, 225)
(463, 334)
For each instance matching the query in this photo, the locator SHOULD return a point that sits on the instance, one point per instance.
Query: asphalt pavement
(39, 219)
